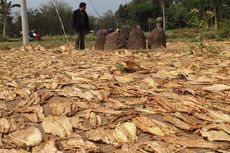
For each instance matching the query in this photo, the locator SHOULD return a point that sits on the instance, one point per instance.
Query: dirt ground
(58, 100)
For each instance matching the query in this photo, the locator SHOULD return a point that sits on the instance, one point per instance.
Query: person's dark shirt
(80, 21)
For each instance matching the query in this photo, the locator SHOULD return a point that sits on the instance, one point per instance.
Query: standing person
(80, 25)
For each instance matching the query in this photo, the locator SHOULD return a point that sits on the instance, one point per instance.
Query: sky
(101, 6)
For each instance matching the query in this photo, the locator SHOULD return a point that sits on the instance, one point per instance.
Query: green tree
(108, 20)
(122, 14)
(45, 19)
(49, 22)
(5, 10)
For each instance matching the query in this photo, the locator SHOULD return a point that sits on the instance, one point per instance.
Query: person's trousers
(80, 40)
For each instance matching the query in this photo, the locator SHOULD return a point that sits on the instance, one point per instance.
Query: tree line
(173, 13)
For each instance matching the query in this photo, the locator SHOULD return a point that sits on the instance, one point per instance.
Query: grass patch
(47, 41)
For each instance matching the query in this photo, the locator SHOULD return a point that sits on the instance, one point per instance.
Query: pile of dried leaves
(174, 100)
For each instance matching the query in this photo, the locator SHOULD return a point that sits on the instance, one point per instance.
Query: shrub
(224, 29)
(3, 39)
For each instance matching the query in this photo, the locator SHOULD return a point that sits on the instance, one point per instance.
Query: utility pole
(162, 5)
(60, 20)
(164, 20)
(25, 28)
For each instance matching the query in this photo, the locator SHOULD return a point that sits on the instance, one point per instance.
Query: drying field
(174, 100)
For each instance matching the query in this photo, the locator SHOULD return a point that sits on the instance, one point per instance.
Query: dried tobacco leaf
(221, 126)
(60, 126)
(63, 108)
(7, 95)
(103, 135)
(178, 123)
(219, 117)
(189, 119)
(30, 136)
(76, 141)
(77, 122)
(32, 113)
(125, 79)
(3, 106)
(153, 126)
(195, 142)
(4, 125)
(154, 146)
(115, 104)
(217, 87)
(32, 99)
(125, 133)
(46, 147)
(95, 120)
(216, 135)
(150, 82)
(12, 151)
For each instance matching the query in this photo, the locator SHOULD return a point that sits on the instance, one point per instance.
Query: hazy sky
(101, 5)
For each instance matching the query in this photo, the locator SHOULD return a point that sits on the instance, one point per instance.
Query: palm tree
(5, 10)
(162, 4)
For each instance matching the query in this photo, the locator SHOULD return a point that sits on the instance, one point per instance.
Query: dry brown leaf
(76, 141)
(219, 116)
(60, 126)
(87, 94)
(62, 108)
(145, 111)
(12, 151)
(125, 133)
(155, 147)
(195, 143)
(150, 82)
(7, 95)
(106, 76)
(77, 122)
(216, 135)
(136, 101)
(103, 135)
(3, 106)
(107, 111)
(32, 99)
(203, 80)
(189, 119)
(11, 125)
(67, 91)
(51, 84)
(221, 126)
(217, 87)
(203, 116)
(46, 147)
(95, 120)
(125, 79)
(33, 113)
(24, 92)
(224, 151)
(153, 126)
(116, 104)
(178, 123)
(4, 125)
(168, 74)
(30, 136)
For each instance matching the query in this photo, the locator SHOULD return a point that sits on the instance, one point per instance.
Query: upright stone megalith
(136, 39)
(100, 39)
(157, 38)
(117, 39)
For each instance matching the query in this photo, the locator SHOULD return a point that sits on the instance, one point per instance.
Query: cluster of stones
(127, 38)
